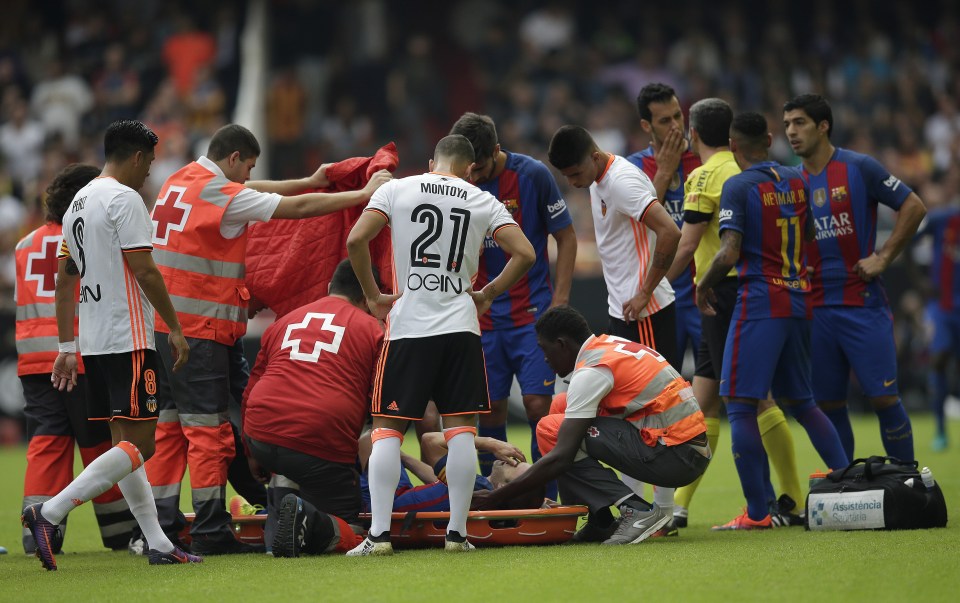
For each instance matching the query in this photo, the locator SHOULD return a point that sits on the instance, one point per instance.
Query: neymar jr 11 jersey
(843, 204)
(528, 191)
(437, 226)
(673, 202)
(767, 204)
(943, 224)
(105, 221)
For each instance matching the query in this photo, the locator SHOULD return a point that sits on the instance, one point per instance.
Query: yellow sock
(778, 442)
(684, 495)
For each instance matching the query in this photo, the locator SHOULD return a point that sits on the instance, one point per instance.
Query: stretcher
(417, 530)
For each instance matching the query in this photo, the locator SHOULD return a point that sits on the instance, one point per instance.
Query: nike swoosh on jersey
(889, 383)
(549, 383)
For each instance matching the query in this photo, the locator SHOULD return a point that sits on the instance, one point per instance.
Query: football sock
(663, 498)
(840, 417)
(98, 477)
(896, 431)
(636, 502)
(136, 491)
(684, 495)
(383, 475)
(497, 432)
(768, 490)
(938, 398)
(778, 442)
(634, 484)
(748, 456)
(461, 471)
(823, 435)
(551, 486)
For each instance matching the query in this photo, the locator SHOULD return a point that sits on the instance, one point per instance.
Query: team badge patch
(151, 404)
(511, 204)
(603, 208)
(820, 197)
(838, 194)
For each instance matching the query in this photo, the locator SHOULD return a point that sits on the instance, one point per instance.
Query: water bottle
(927, 476)
(816, 477)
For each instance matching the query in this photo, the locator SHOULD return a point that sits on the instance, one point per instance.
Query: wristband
(70, 347)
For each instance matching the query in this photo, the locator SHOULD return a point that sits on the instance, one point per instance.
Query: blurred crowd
(346, 77)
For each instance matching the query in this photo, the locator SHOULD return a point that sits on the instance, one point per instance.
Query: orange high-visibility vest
(203, 271)
(647, 391)
(36, 328)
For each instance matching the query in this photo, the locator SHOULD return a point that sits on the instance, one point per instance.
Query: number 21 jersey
(438, 223)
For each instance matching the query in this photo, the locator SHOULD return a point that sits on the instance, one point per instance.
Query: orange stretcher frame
(484, 528)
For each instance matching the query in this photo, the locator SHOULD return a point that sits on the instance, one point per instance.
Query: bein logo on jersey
(434, 282)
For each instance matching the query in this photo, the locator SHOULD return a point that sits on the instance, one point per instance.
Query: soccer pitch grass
(780, 565)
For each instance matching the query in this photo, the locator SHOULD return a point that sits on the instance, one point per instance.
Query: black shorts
(713, 329)
(447, 369)
(122, 386)
(657, 331)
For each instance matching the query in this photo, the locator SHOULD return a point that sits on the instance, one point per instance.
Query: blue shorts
(767, 355)
(514, 351)
(688, 329)
(946, 330)
(845, 337)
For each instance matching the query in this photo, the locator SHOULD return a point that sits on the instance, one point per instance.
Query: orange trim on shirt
(374, 209)
(446, 174)
(606, 168)
(501, 227)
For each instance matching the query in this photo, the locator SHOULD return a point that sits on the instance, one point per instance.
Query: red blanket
(290, 262)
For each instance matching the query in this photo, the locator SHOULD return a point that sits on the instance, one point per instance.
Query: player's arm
(64, 375)
(151, 281)
(659, 221)
(690, 236)
(522, 256)
(909, 217)
(423, 471)
(310, 205)
(726, 258)
(291, 187)
(566, 240)
(369, 225)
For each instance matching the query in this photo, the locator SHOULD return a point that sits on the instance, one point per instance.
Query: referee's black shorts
(713, 329)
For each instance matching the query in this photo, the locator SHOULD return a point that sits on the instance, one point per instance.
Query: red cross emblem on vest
(170, 214)
(593, 432)
(42, 266)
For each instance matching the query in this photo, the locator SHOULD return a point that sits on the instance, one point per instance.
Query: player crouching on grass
(627, 408)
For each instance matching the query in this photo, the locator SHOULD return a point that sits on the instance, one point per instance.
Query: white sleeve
(587, 387)
(380, 201)
(132, 221)
(247, 206)
(499, 217)
(635, 193)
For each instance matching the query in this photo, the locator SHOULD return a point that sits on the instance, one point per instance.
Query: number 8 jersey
(106, 220)
(437, 226)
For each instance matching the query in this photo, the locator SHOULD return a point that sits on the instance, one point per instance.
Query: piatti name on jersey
(78, 203)
(447, 190)
(833, 226)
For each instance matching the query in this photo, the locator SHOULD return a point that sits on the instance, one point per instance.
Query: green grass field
(786, 564)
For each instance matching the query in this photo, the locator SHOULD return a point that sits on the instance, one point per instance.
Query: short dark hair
(345, 282)
(569, 146)
(711, 119)
(64, 187)
(455, 147)
(125, 137)
(750, 129)
(232, 138)
(653, 93)
(480, 131)
(813, 105)
(563, 321)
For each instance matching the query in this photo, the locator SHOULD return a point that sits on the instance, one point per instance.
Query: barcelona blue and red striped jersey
(767, 204)
(943, 224)
(843, 201)
(673, 202)
(527, 189)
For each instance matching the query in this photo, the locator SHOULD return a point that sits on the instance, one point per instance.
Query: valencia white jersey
(618, 202)
(105, 221)
(438, 223)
